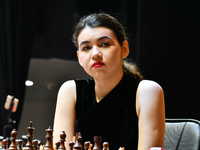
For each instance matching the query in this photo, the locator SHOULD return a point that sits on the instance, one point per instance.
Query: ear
(77, 53)
(125, 49)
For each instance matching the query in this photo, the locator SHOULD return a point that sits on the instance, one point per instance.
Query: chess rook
(97, 143)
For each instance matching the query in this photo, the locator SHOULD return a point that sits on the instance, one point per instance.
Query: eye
(105, 44)
(85, 48)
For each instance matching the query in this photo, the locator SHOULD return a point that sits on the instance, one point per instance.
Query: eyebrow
(99, 39)
(104, 37)
(83, 43)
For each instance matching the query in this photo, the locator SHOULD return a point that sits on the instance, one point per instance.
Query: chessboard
(32, 144)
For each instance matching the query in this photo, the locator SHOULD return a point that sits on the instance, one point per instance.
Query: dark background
(163, 37)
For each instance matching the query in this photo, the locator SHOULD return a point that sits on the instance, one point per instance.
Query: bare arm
(151, 114)
(65, 115)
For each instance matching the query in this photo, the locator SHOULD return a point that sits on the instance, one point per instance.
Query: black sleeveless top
(114, 118)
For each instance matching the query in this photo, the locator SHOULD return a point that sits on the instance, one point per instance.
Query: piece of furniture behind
(182, 134)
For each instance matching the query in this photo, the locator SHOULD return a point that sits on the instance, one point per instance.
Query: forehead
(89, 33)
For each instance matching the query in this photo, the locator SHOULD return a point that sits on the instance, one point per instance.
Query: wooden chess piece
(35, 144)
(62, 141)
(57, 144)
(30, 130)
(4, 144)
(71, 145)
(13, 145)
(105, 146)
(87, 145)
(49, 136)
(19, 144)
(97, 143)
(77, 144)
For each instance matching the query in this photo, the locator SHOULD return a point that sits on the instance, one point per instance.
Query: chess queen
(117, 103)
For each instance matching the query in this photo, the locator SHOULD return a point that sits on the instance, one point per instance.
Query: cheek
(115, 55)
(82, 59)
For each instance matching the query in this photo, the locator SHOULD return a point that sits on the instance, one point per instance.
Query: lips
(97, 64)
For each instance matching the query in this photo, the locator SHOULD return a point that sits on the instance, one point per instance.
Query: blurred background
(35, 44)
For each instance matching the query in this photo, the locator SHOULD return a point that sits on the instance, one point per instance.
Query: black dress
(114, 118)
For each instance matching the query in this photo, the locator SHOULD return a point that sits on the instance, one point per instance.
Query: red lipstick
(97, 64)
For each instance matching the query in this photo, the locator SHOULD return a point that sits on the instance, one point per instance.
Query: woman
(117, 104)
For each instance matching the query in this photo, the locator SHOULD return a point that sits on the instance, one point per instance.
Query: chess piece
(105, 146)
(49, 136)
(71, 145)
(121, 148)
(97, 143)
(30, 130)
(62, 141)
(57, 144)
(87, 145)
(77, 144)
(13, 145)
(4, 144)
(35, 144)
(19, 144)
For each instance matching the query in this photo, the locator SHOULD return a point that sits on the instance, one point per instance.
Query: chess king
(116, 103)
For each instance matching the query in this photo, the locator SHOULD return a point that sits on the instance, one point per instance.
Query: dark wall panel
(169, 53)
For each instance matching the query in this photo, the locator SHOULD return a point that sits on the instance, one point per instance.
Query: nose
(96, 54)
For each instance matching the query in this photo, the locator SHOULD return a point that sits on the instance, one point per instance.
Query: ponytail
(130, 68)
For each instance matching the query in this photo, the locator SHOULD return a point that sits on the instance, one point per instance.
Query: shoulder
(148, 89)
(67, 90)
(71, 87)
(149, 86)
(68, 85)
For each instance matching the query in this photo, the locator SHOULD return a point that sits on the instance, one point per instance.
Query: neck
(103, 87)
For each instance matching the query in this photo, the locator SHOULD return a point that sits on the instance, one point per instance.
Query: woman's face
(99, 52)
